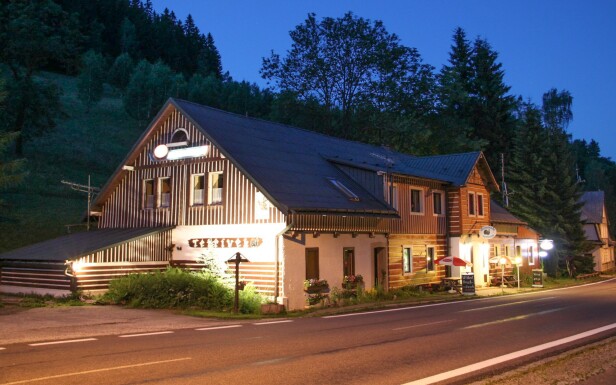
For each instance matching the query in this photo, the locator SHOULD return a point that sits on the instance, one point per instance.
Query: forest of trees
(346, 76)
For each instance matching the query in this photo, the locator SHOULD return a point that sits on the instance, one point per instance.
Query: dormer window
(344, 189)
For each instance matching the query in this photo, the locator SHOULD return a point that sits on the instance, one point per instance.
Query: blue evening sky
(566, 44)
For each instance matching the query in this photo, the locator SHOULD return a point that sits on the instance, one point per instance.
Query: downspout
(277, 268)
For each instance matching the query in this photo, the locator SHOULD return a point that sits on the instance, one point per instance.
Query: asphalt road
(445, 343)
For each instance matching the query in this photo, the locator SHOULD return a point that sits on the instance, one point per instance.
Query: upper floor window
(148, 194)
(164, 192)
(344, 189)
(394, 197)
(215, 188)
(198, 189)
(437, 198)
(416, 201)
(531, 256)
(471, 204)
(480, 205)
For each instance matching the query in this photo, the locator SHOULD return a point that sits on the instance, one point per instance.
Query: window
(407, 260)
(430, 259)
(198, 189)
(507, 251)
(416, 201)
(215, 190)
(164, 192)
(437, 198)
(344, 189)
(480, 205)
(148, 194)
(348, 261)
(518, 251)
(471, 204)
(312, 263)
(531, 256)
(496, 251)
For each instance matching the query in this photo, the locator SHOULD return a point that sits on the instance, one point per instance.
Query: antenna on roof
(578, 177)
(87, 189)
(503, 183)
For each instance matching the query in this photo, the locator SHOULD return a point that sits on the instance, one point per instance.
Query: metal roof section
(75, 245)
(592, 210)
(501, 215)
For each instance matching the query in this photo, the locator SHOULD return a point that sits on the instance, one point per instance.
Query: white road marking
(404, 308)
(2, 348)
(508, 357)
(96, 371)
(62, 342)
(272, 322)
(220, 327)
(516, 318)
(144, 334)
(505, 304)
(428, 324)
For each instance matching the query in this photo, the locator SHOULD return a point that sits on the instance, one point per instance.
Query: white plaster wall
(330, 262)
(265, 252)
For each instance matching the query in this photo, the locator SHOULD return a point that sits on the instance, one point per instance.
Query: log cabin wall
(419, 274)
(125, 205)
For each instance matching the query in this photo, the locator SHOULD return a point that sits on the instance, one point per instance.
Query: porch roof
(73, 246)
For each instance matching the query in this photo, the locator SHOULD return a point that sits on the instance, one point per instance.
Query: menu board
(537, 278)
(468, 284)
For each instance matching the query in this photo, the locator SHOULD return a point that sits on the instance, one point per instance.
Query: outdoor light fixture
(546, 244)
(543, 253)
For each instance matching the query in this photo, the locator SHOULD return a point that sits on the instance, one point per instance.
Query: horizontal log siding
(418, 243)
(453, 212)
(124, 207)
(412, 223)
(261, 274)
(98, 276)
(35, 275)
(147, 249)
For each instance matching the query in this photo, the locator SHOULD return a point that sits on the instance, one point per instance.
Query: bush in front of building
(172, 288)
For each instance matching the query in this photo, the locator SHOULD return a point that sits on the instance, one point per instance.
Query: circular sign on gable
(161, 151)
(487, 232)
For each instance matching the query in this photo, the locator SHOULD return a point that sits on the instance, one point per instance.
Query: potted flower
(352, 281)
(316, 286)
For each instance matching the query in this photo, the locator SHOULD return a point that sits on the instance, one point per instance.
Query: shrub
(250, 300)
(169, 289)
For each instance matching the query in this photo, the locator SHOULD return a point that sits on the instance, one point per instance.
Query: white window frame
(147, 205)
(442, 200)
(193, 201)
(479, 208)
(422, 201)
(472, 203)
(215, 197)
(159, 193)
(531, 256)
(410, 261)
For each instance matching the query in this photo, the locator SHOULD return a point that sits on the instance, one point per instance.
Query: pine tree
(91, 78)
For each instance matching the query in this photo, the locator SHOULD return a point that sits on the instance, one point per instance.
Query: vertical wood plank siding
(152, 248)
(124, 206)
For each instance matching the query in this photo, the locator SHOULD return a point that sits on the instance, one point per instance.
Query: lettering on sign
(224, 243)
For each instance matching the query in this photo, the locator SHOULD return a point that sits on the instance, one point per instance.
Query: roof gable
(593, 206)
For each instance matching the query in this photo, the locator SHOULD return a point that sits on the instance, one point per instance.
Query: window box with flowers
(350, 282)
(314, 286)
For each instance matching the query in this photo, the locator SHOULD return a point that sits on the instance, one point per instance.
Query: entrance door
(380, 267)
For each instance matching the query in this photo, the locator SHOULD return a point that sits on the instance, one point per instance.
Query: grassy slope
(82, 143)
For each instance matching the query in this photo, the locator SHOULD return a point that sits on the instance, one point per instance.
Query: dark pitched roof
(592, 211)
(501, 215)
(291, 166)
(75, 245)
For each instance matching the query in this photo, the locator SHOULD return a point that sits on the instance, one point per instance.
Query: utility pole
(87, 189)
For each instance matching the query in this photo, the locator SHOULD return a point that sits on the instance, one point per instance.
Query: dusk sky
(561, 44)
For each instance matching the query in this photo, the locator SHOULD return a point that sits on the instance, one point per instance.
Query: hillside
(82, 143)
